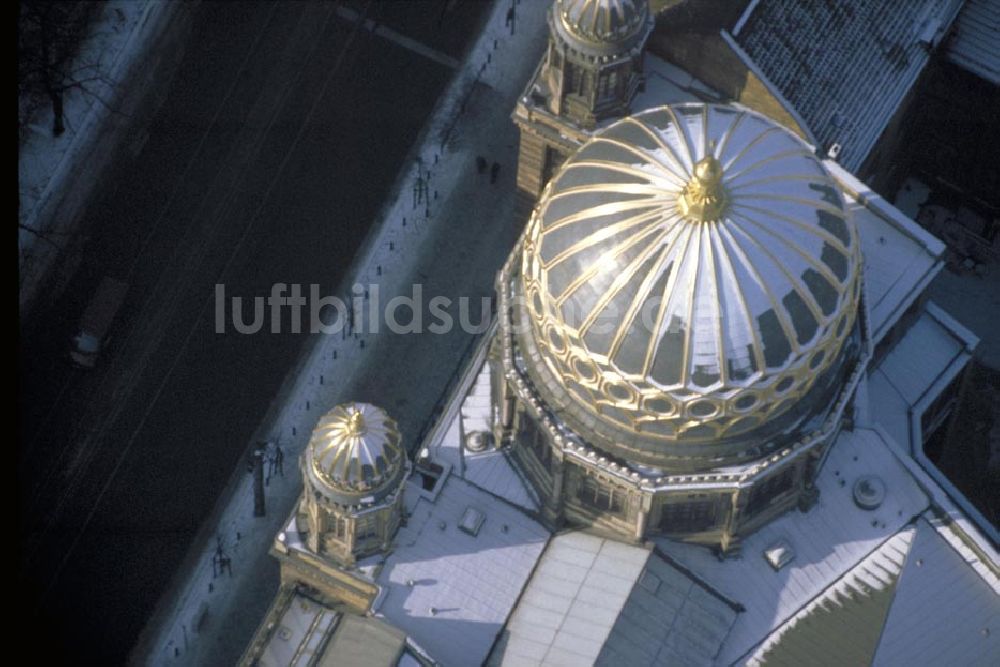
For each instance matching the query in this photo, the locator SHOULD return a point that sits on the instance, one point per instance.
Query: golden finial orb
(356, 426)
(704, 198)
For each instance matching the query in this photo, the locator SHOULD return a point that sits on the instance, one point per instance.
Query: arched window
(366, 527)
(599, 496)
(698, 513)
(609, 85)
(770, 488)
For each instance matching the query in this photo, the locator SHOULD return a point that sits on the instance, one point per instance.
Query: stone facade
(348, 532)
(589, 73)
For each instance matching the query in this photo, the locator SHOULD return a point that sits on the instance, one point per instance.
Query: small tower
(354, 471)
(590, 72)
(593, 66)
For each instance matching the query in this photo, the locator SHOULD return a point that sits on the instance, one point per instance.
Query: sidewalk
(122, 54)
(452, 243)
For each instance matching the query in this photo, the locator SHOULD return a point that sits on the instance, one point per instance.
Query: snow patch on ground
(48, 164)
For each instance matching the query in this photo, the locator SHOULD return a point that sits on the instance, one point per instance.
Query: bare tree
(49, 36)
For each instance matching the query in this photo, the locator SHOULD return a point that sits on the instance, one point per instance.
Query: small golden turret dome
(355, 448)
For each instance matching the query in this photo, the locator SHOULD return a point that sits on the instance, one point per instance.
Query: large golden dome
(689, 273)
(355, 449)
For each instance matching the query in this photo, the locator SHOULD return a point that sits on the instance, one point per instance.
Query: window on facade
(366, 527)
(598, 496)
(766, 490)
(698, 514)
(540, 446)
(574, 79)
(608, 86)
(530, 436)
(340, 527)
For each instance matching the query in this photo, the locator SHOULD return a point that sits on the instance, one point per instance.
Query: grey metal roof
(302, 629)
(944, 612)
(900, 257)
(845, 66)
(450, 591)
(598, 601)
(828, 541)
(915, 600)
(842, 624)
(668, 619)
(363, 642)
(975, 45)
(572, 601)
(930, 352)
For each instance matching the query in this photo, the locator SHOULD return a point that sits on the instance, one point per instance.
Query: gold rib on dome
(355, 447)
(684, 331)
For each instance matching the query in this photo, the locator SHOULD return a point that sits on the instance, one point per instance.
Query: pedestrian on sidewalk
(480, 164)
(418, 191)
(494, 172)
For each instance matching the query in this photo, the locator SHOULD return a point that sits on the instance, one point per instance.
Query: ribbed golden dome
(355, 448)
(690, 272)
(601, 27)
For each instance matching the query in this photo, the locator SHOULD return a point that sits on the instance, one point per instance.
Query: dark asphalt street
(279, 138)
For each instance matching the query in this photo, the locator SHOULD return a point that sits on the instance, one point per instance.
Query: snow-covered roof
(300, 631)
(897, 606)
(933, 351)
(900, 257)
(451, 591)
(944, 612)
(974, 44)
(598, 601)
(668, 84)
(827, 541)
(844, 66)
(302, 628)
(471, 410)
(844, 622)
